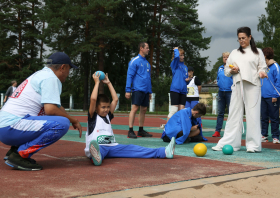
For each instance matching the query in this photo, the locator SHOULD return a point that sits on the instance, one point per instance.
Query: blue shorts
(140, 98)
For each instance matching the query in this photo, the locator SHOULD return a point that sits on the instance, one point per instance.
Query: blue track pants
(32, 133)
(131, 151)
(270, 111)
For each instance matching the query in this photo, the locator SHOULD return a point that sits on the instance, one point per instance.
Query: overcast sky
(221, 18)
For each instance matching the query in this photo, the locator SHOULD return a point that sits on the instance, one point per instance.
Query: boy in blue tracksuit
(100, 138)
(224, 95)
(139, 75)
(270, 98)
(178, 88)
(184, 124)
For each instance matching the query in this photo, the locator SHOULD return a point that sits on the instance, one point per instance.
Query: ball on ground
(200, 149)
(227, 149)
(102, 75)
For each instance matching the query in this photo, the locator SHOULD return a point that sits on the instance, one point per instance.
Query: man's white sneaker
(217, 148)
(264, 139)
(276, 141)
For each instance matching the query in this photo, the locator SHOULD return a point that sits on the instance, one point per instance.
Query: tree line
(99, 35)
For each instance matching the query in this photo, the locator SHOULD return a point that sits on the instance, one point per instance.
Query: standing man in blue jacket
(224, 95)
(270, 97)
(139, 75)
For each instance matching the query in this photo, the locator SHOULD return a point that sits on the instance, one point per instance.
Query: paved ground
(68, 173)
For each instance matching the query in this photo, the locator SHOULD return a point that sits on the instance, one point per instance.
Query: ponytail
(253, 46)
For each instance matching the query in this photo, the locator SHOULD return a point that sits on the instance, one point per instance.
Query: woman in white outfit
(248, 67)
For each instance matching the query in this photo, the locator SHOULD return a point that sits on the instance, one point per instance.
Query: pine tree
(87, 30)
(20, 28)
(270, 26)
(175, 23)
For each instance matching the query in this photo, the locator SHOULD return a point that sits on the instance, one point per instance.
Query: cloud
(221, 18)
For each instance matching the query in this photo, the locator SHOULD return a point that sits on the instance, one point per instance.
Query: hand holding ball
(102, 75)
(200, 149)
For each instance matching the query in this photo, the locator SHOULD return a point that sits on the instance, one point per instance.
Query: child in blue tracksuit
(184, 124)
(224, 94)
(100, 139)
(270, 98)
(178, 88)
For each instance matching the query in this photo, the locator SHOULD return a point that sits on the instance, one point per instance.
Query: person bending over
(185, 124)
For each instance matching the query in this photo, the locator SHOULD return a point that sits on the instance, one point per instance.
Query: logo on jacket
(141, 65)
(147, 65)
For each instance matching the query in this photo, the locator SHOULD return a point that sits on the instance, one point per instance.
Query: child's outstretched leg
(94, 150)
(169, 149)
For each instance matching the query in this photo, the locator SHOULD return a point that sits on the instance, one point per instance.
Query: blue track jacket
(223, 81)
(181, 121)
(139, 74)
(273, 74)
(179, 74)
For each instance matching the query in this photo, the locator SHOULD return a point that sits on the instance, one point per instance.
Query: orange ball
(200, 149)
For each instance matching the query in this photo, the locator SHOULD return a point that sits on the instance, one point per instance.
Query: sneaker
(94, 150)
(162, 126)
(17, 162)
(250, 151)
(12, 149)
(276, 141)
(217, 148)
(264, 139)
(131, 134)
(169, 149)
(144, 134)
(216, 134)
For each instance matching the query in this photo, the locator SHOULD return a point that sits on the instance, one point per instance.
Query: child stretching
(185, 125)
(100, 139)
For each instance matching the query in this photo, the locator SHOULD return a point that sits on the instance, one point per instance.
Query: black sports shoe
(17, 162)
(12, 149)
(131, 134)
(144, 134)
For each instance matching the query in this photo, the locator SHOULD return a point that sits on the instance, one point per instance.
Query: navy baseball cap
(60, 58)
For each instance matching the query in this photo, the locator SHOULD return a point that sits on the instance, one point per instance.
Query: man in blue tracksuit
(270, 98)
(139, 75)
(184, 124)
(224, 95)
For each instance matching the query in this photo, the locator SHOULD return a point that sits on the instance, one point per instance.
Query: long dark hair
(247, 31)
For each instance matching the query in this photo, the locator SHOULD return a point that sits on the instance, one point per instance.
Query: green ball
(227, 149)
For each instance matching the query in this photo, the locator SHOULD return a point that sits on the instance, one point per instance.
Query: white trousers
(234, 124)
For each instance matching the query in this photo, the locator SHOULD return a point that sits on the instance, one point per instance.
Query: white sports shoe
(276, 141)
(217, 148)
(264, 139)
(250, 151)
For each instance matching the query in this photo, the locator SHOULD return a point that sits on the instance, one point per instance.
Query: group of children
(100, 139)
